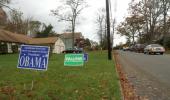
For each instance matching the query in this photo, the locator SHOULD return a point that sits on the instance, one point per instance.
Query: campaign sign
(74, 60)
(85, 57)
(33, 57)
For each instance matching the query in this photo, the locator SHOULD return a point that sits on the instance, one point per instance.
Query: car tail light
(163, 49)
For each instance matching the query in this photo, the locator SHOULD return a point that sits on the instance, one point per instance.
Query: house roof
(7, 36)
(69, 35)
(49, 40)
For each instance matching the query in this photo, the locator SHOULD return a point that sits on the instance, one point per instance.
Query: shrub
(3, 48)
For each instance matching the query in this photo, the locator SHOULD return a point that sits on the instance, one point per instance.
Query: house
(10, 42)
(67, 39)
(55, 43)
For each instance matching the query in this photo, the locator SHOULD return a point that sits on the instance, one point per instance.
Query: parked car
(132, 48)
(154, 49)
(73, 50)
(139, 48)
(125, 48)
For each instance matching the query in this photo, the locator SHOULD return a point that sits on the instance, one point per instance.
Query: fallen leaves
(127, 88)
(7, 90)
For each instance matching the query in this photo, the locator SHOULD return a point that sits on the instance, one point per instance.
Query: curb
(127, 90)
(121, 90)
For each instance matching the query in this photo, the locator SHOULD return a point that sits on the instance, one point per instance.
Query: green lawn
(97, 80)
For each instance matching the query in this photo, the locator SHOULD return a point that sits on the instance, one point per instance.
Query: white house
(10, 41)
(58, 46)
(68, 40)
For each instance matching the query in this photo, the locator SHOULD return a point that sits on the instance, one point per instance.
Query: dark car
(132, 48)
(73, 50)
(139, 48)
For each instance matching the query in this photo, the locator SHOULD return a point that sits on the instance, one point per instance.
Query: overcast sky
(40, 10)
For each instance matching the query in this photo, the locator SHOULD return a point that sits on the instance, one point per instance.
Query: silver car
(154, 49)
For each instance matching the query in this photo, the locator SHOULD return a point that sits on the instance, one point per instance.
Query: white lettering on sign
(73, 59)
(43, 63)
(21, 59)
(34, 62)
(26, 61)
(37, 61)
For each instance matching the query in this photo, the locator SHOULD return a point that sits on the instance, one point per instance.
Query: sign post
(33, 57)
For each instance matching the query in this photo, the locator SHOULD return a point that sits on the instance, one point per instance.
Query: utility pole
(108, 30)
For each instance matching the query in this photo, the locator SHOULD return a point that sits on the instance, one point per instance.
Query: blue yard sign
(86, 57)
(33, 57)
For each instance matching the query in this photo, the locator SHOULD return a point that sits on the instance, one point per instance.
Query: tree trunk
(133, 37)
(165, 29)
(73, 29)
(140, 36)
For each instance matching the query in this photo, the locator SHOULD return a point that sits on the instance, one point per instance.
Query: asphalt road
(149, 74)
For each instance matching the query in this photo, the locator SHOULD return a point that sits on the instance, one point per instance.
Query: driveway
(149, 74)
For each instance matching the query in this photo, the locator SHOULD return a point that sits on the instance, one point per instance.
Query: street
(149, 74)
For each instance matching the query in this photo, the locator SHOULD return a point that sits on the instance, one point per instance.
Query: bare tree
(3, 15)
(17, 23)
(3, 3)
(100, 21)
(147, 18)
(151, 12)
(131, 27)
(165, 8)
(3, 18)
(34, 28)
(69, 12)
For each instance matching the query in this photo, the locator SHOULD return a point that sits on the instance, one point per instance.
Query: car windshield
(155, 45)
(141, 45)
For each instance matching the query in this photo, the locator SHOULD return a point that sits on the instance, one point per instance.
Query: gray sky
(40, 10)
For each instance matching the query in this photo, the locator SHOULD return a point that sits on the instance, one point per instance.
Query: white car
(154, 49)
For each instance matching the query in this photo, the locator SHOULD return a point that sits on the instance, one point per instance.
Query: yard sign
(33, 57)
(74, 60)
(86, 57)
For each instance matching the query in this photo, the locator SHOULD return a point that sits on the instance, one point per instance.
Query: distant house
(10, 42)
(67, 39)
